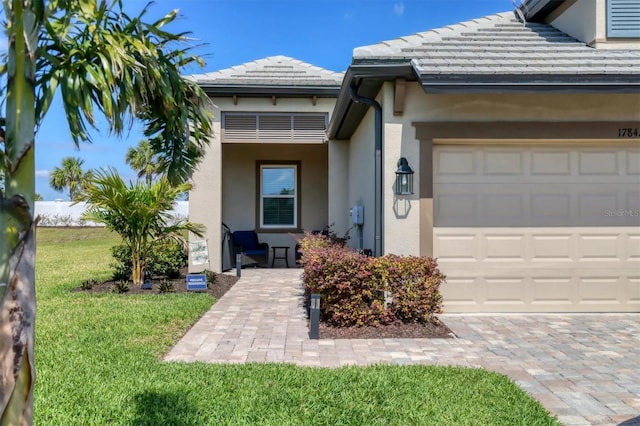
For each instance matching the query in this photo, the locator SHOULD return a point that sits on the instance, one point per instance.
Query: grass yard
(97, 358)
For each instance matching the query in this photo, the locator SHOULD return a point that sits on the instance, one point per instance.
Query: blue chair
(253, 252)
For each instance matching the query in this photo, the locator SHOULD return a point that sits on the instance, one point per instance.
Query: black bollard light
(314, 317)
(238, 264)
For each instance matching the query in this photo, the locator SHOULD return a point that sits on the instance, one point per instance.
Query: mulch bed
(217, 290)
(398, 331)
(225, 282)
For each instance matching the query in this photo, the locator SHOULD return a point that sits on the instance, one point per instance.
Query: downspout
(378, 211)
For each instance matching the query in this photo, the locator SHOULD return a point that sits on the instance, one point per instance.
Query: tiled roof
(272, 72)
(499, 45)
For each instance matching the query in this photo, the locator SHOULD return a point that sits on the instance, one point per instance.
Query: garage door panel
(633, 247)
(504, 206)
(600, 247)
(598, 163)
(632, 291)
(502, 162)
(594, 290)
(552, 247)
(457, 247)
(548, 207)
(552, 290)
(455, 162)
(459, 206)
(545, 162)
(538, 228)
(501, 290)
(633, 162)
(461, 290)
(632, 205)
(504, 248)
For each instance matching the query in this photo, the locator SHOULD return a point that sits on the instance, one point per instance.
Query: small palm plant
(140, 214)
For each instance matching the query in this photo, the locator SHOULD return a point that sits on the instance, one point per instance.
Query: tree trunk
(17, 227)
(136, 270)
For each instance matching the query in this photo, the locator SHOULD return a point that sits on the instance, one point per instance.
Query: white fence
(63, 213)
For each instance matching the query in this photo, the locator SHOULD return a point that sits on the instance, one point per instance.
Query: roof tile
(500, 44)
(272, 71)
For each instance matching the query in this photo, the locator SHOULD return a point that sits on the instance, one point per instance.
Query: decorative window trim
(296, 227)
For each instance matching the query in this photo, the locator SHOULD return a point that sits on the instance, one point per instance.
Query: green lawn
(97, 359)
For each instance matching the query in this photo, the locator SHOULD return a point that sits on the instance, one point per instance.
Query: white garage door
(538, 228)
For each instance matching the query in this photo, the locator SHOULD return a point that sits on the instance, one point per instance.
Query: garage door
(538, 228)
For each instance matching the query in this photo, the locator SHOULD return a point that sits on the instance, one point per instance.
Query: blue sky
(320, 32)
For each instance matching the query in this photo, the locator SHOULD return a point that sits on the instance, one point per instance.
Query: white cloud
(42, 173)
(398, 9)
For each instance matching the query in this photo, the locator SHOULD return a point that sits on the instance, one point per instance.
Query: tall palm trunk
(17, 228)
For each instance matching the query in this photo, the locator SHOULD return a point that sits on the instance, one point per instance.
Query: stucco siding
(586, 20)
(581, 21)
(205, 198)
(361, 179)
(519, 107)
(338, 174)
(401, 212)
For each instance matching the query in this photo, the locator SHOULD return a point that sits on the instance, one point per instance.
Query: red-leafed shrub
(360, 290)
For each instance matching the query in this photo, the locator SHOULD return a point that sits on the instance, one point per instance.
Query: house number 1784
(628, 132)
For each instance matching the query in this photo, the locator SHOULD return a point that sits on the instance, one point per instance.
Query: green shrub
(352, 286)
(166, 286)
(121, 254)
(88, 284)
(165, 258)
(212, 277)
(121, 286)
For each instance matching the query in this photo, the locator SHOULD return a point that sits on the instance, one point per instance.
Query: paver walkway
(583, 368)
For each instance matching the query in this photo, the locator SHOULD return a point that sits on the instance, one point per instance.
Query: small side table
(285, 257)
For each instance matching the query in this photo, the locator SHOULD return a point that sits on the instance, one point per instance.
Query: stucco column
(205, 202)
(426, 197)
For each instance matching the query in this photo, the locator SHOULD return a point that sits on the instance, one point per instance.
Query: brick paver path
(583, 368)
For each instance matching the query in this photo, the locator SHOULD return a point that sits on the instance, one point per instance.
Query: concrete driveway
(583, 368)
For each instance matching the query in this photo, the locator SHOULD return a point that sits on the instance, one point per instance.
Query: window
(279, 200)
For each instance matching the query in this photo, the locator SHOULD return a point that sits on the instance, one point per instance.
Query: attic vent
(275, 128)
(623, 18)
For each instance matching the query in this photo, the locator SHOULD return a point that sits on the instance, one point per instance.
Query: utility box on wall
(357, 215)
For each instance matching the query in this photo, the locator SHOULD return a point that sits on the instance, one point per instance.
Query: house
(522, 133)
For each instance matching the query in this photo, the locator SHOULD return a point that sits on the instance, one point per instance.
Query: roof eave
(537, 10)
(629, 83)
(269, 90)
(346, 113)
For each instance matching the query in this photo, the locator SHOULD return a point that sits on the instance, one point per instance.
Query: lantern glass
(404, 178)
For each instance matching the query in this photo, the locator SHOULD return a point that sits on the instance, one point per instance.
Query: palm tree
(143, 160)
(139, 213)
(95, 56)
(70, 175)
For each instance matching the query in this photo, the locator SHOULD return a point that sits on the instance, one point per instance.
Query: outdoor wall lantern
(404, 178)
